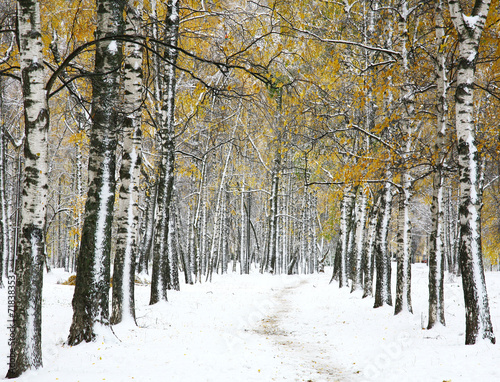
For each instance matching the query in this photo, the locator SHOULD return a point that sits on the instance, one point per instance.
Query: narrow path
(308, 356)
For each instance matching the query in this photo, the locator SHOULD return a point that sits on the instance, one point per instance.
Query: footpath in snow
(266, 328)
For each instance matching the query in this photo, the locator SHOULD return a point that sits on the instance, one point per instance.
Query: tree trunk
(202, 252)
(127, 215)
(436, 250)
(369, 248)
(183, 254)
(403, 282)
(166, 184)
(147, 239)
(469, 29)
(173, 254)
(191, 240)
(4, 203)
(17, 190)
(91, 296)
(243, 248)
(346, 210)
(337, 260)
(314, 238)
(383, 295)
(273, 214)
(225, 233)
(26, 349)
(359, 231)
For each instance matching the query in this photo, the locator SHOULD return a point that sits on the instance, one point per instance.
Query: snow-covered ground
(266, 328)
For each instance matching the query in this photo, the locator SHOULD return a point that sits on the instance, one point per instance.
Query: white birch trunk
(314, 238)
(161, 245)
(436, 250)
(26, 349)
(383, 295)
(403, 280)
(173, 254)
(4, 202)
(303, 236)
(369, 248)
(345, 231)
(127, 215)
(359, 232)
(403, 285)
(202, 253)
(273, 215)
(243, 252)
(469, 30)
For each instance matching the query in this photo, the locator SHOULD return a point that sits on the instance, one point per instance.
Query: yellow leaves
(189, 170)
(78, 137)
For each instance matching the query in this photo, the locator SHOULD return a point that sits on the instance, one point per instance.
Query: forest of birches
(184, 138)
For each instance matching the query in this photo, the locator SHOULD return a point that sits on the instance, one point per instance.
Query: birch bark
(359, 232)
(469, 29)
(127, 215)
(383, 294)
(403, 280)
(345, 231)
(436, 250)
(147, 239)
(4, 202)
(26, 349)
(166, 183)
(369, 248)
(91, 296)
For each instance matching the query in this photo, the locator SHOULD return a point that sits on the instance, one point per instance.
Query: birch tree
(26, 348)
(436, 250)
(91, 296)
(4, 202)
(469, 29)
(359, 232)
(369, 248)
(346, 212)
(166, 181)
(127, 215)
(383, 295)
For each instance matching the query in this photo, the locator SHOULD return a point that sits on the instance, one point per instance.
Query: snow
(470, 21)
(101, 220)
(113, 47)
(175, 15)
(472, 57)
(266, 328)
